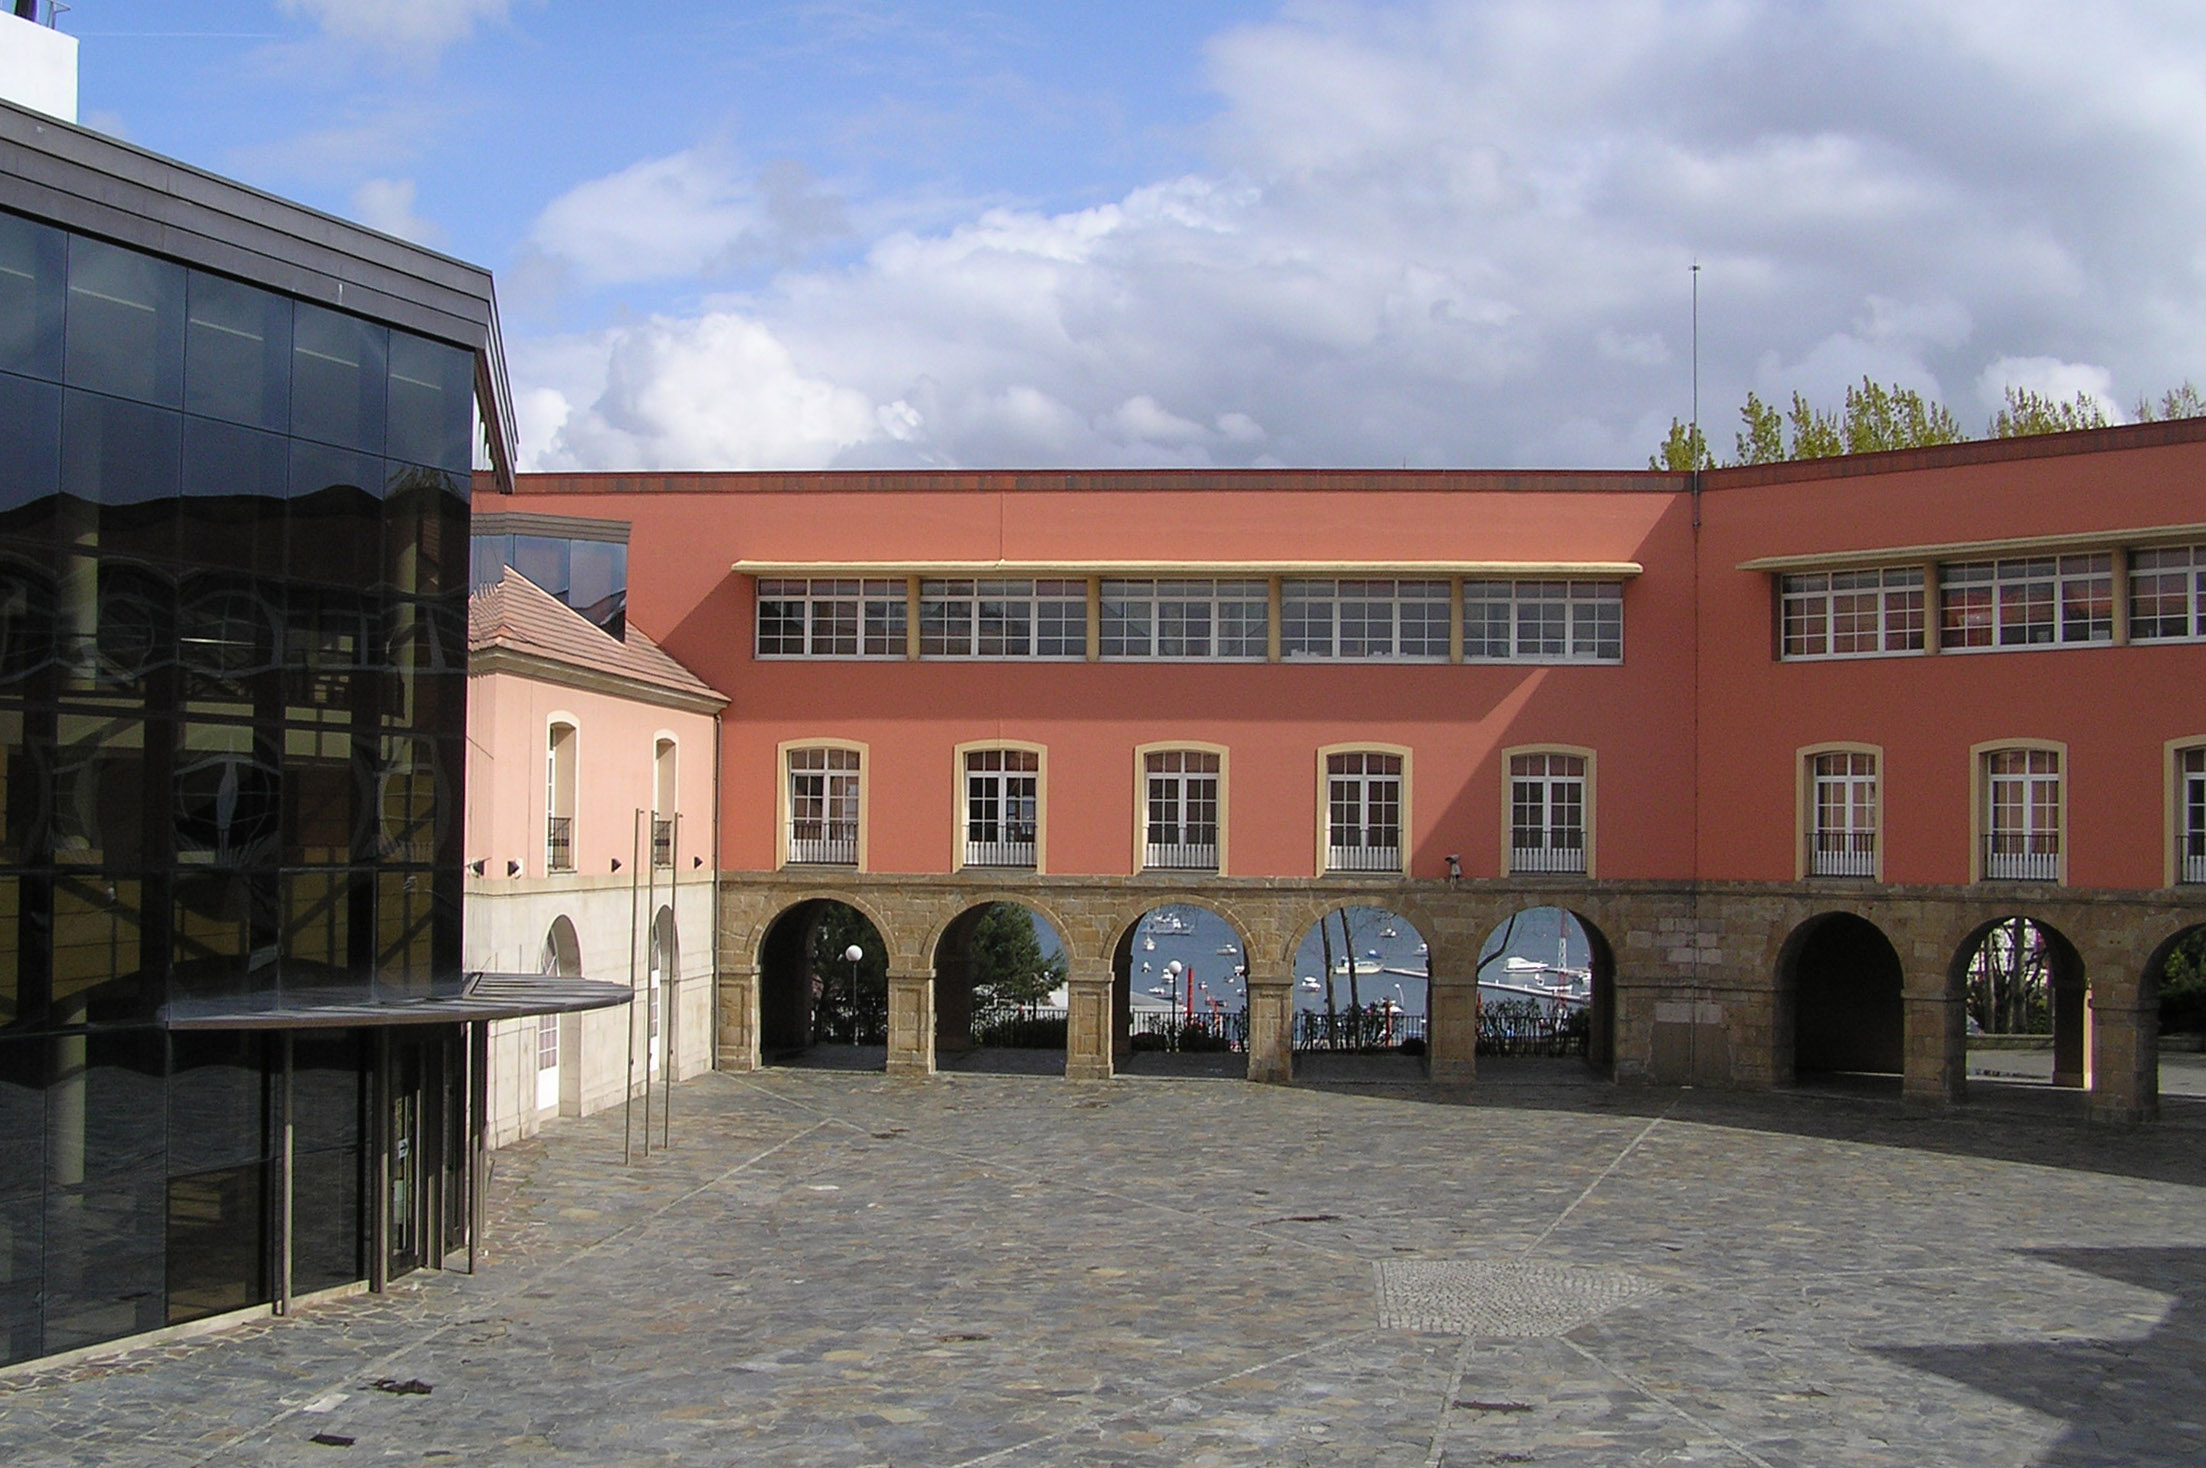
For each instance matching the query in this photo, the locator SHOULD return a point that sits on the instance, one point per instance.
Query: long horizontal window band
(1545, 619)
(1597, 570)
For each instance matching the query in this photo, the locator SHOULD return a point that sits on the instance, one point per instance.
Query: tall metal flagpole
(628, 1095)
(651, 955)
(673, 975)
(1696, 366)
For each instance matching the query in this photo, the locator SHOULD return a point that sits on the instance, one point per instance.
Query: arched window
(664, 803)
(559, 791)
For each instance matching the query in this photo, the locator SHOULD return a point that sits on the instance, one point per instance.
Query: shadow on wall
(2125, 1399)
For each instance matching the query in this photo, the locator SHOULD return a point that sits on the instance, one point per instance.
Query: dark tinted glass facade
(232, 691)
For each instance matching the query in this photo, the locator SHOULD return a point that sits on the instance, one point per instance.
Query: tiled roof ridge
(517, 615)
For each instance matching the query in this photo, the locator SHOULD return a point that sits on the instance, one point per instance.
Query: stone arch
(562, 952)
(948, 915)
(753, 939)
(1600, 965)
(1840, 997)
(1126, 927)
(788, 997)
(1394, 1011)
(953, 983)
(2067, 980)
(2150, 981)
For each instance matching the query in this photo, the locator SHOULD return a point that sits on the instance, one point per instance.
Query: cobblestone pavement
(980, 1269)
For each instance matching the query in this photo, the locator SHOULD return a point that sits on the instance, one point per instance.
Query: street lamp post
(852, 955)
(1172, 973)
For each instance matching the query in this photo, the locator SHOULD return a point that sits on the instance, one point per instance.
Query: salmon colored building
(1787, 739)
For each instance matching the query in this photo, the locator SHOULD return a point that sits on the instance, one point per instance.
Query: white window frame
(843, 618)
(1880, 609)
(2176, 572)
(1994, 606)
(1518, 621)
(1361, 789)
(1179, 855)
(1013, 837)
(1184, 620)
(2186, 807)
(2020, 816)
(1846, 779)
(1365, 621)
(554, 797)
(841, 838)
(1001, 619)
(1534, 776)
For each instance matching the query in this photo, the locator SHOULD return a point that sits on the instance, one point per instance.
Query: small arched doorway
(561, 957)
(1849, 1021)
(817, 1006)
(2028, 1003)
(1547, 989)
(1000, 992)
(1179, 993)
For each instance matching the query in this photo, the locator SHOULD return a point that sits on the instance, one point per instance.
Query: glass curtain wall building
(233, 575)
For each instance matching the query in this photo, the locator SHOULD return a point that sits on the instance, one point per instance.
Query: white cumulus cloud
(1456, 232)
(387, 204)
(414, 31)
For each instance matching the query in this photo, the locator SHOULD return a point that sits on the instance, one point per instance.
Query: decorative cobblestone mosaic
(1498, 1298)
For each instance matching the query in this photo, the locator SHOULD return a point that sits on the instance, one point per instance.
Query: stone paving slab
(844, 1269)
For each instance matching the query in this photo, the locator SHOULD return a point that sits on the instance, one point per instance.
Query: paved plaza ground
(835, 1268)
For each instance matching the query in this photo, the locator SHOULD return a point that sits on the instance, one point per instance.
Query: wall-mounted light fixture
(616, 863)
(513, 869)
(476, 867)
(695, 862)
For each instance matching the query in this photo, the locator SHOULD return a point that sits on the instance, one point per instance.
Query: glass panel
(424, 531)
(30, 455)
(237, 353)
(99, 790)
(223, 940)
(327, 1096)
(546, 561)
(217, 1242)
(599, 587)
(228, 789)
(403, 935)
(236, 480)
(99, 963)
(339, 369)
(106, 1201)
(336, 516)
(26, 617)
(126, 458)
(319, 911)
(126, 323)
(432, 404)
(33, 275)
(22, 1189)
(14, 984)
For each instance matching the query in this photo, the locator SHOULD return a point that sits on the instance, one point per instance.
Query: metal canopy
(486, 996)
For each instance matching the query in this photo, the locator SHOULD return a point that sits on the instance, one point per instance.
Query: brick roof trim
(518, 618)
(2127, 437)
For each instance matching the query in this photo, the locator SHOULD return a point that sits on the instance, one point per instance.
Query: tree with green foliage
(2183, 986)
(1006, 959)
(1815, 435)
(2176, 402)
(2028, 412)
(1685, 450)
(1879, 418)
(852, 1008)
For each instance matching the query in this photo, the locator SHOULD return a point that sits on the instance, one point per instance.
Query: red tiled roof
(518, 616)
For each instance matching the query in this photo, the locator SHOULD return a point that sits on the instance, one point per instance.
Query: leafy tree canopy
(1006, 956)
(1878, 416)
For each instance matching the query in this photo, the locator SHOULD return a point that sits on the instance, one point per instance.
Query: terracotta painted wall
(2114, 707)
(1656, 743)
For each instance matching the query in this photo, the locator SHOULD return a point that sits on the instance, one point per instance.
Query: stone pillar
(1936, 1061)
(2071, 1047)
(1088, 1026)
(911, 1023)
(735, 1046)
(2125, 1059)
(1451, 1030)
(1271, 1023)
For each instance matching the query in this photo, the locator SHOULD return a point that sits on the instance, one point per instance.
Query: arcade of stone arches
(1747, 989)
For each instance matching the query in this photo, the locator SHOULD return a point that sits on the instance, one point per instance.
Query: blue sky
(863, 232)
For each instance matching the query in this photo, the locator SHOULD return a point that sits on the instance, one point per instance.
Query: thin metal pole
(628, 1093)
(674, 974)
(285, 1155)
(478, 1123)
(1696, 366)
(650, 948)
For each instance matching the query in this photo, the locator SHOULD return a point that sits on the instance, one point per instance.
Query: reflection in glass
(237, 353)
(22, 1193)
(30, 452)
(318, 790)
(404, 932)
(128, 459)
(105, 1193)
(217, 1242)
(126, 323)
(33, 265)
(318, 924)
(336, 516)
(98, 968)
(223, 936)
(545, 561)
(432, 404)
(235, 483)
(99, 790)
(26, 617)
(25, 741)
(228, 795)
(338, 372)
(600, 585)
(425, 531)
(11, 999)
